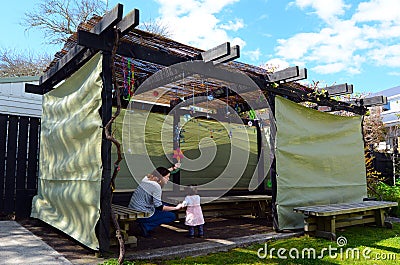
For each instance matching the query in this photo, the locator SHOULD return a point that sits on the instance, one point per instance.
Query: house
(15, 101)
(389, 115)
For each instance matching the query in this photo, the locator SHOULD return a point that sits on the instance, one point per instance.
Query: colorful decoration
(178, 154)
(155, 94)
(129, 79)
(252, 114)
(187, 117)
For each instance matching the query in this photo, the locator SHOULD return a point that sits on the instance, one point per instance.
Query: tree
(156, 27)
(15, 64)
(58, 19)
(373, 127)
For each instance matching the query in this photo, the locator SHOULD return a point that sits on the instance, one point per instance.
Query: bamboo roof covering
(186, 87)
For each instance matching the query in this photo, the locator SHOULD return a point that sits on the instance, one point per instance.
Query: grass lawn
(365, 245)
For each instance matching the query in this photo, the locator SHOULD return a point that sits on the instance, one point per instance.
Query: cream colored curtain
(319, 160)
(70, 155)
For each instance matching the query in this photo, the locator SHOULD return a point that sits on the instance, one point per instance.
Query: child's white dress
(194, 214)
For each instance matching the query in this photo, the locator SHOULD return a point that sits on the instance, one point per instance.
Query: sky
(338, 41)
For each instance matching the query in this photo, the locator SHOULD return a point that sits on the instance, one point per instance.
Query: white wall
(15, 101)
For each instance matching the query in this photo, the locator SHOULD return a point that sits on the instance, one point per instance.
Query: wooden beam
(369, 102)
(374, 101)
(34, 89)
(98, 42)
(282, 75)
(78, 55)
(109, 20)
(102, 41)
(341, 89)
(67, 65)
(216, 52)
(302, 75)
(233, 54)
(129, 22)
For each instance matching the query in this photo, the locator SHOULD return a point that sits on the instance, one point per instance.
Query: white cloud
(195, 22)
(386, 55)
(329, 68)
(276, 64)
(381, 31)
(378, 10)
(297, 46)
(238, 24)
(345, 45)
(238, 41)
(253, 55)
(327, 10)
(394, 73)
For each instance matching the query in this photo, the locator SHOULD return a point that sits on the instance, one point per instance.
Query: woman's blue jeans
(158, 218)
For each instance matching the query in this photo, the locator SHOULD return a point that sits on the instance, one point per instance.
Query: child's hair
(191, 189)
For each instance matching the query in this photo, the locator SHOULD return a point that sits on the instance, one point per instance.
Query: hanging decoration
(252, 114)
(211, 133)
(192, 110)
(208, 99)
(227, 103)
(129, 78)
(187, 117)
(178, 154)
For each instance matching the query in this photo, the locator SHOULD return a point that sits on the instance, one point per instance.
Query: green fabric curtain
(70, 155)
(319, 160)
(157, 148)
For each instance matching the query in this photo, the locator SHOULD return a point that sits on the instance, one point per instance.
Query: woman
(147, 198)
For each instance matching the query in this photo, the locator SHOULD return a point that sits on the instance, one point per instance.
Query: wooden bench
(322, 220)
(255, 205)
(125, 216)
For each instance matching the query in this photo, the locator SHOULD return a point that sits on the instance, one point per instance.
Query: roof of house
(19, 79)
(390, 92)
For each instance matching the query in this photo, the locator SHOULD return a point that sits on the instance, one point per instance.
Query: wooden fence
(19, 153)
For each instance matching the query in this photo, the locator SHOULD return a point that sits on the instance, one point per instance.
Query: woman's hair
(191, 189)
(160, 172)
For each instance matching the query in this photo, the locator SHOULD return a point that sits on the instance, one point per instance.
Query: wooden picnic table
(322, 220)
(256, 205)
(125, 216)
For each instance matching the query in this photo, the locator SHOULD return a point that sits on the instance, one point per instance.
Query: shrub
(390, 193)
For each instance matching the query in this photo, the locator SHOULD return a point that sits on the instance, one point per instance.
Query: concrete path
(204, 248)
(19, 246)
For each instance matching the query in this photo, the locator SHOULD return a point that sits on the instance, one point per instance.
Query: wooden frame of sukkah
(128, 49)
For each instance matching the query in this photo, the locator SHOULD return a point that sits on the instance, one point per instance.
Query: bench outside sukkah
(323, 220)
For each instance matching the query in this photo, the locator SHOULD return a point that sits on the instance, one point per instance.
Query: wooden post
(176, 178)
(260, 155)
(380, 217)
(271, 102)
(106, 112)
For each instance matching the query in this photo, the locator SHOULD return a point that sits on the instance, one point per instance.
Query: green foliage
(115, 262)
(390, 193)
(373, 176)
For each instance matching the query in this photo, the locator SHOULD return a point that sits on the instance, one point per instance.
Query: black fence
(383, 163)
(19, 154)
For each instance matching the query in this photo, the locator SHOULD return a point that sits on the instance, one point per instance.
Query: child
(194, 215)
